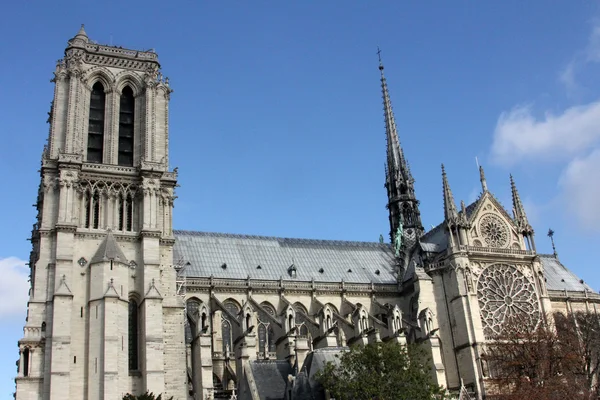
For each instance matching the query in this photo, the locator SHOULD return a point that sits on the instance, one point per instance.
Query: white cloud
(569, 138)
(520, 136)
(567, 77)
(14, 287)
(580, 182)
(589, 54)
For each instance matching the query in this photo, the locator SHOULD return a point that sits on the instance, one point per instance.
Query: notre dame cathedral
(120, 302)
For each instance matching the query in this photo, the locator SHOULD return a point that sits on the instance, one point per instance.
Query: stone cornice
(305, 287)
(109, 169)
(573, 296)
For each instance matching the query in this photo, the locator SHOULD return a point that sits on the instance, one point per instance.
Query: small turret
(82, 35)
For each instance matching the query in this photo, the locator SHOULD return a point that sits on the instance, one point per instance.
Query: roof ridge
(261, 237)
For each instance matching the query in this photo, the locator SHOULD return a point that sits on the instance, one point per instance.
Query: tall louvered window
(95, 143)
(133, 335)
(125, 213)
(126, 117)
(92, 210)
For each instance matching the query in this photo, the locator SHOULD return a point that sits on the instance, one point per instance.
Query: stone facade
(121, 303)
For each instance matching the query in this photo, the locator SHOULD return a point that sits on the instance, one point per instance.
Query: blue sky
(277, 125)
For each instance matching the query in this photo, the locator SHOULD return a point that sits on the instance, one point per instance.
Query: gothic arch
(227, 325)
(102, 75)
(248, 317)
(396, 322)
(290, 319)
(300, 319)
(327, 314)
(126, 78)
(266, 333)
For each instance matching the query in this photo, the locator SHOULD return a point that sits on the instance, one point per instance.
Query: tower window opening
(133, 335)
(26, 361)
(92, 210)
(95, 145)
(126, 213)
(126, 118)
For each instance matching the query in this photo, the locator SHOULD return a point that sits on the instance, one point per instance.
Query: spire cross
(551, 236)
(379, 56)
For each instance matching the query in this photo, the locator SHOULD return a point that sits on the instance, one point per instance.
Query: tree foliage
(381, 371)
(145, 396)
(557, 359)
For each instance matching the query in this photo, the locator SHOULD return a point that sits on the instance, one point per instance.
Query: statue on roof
(398, 238)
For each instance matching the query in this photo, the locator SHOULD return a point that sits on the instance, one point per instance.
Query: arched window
(266, 334)
(226, 324)
(126, 212)
(126, 118)
(92, 210)
(95, 144)
(300, 319)
(133, 335)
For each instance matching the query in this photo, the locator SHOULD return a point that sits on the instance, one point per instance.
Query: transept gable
(492, 226)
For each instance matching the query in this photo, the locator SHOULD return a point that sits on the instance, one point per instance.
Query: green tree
(145, 396)
(381, 371)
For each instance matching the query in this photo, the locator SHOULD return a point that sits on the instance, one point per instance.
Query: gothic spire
(518, 210)
(397, 167)
(450, 213)
(402, 203)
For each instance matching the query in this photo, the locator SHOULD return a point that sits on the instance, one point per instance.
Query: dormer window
(292, 271)
(95, 142)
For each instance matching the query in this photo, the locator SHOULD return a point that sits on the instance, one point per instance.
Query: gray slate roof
(271, 378)
(108, 250)
(558, 277)
(238, 256)
(207, 253)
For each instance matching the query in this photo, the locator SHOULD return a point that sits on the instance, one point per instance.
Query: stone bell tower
(103, 315)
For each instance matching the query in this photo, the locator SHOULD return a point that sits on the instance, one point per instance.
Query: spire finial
(551, 236)
(450, 213)
(482, 179)
(518, 210)
(379, 56)
(81, 33)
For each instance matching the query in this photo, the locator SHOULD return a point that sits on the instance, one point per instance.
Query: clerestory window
(95, 143)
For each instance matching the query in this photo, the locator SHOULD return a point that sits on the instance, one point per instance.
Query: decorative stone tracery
(505, 293)
(494, 231)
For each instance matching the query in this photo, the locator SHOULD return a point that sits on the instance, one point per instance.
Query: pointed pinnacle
(450, 212)
(482, 179)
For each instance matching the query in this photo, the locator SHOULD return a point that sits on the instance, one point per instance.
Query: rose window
(494, 231)
(505, 293)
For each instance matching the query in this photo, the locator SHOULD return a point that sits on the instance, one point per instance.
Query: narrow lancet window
(133, 335)
(95, 143)
(92, 210)
(125, 213)
(126, 118)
